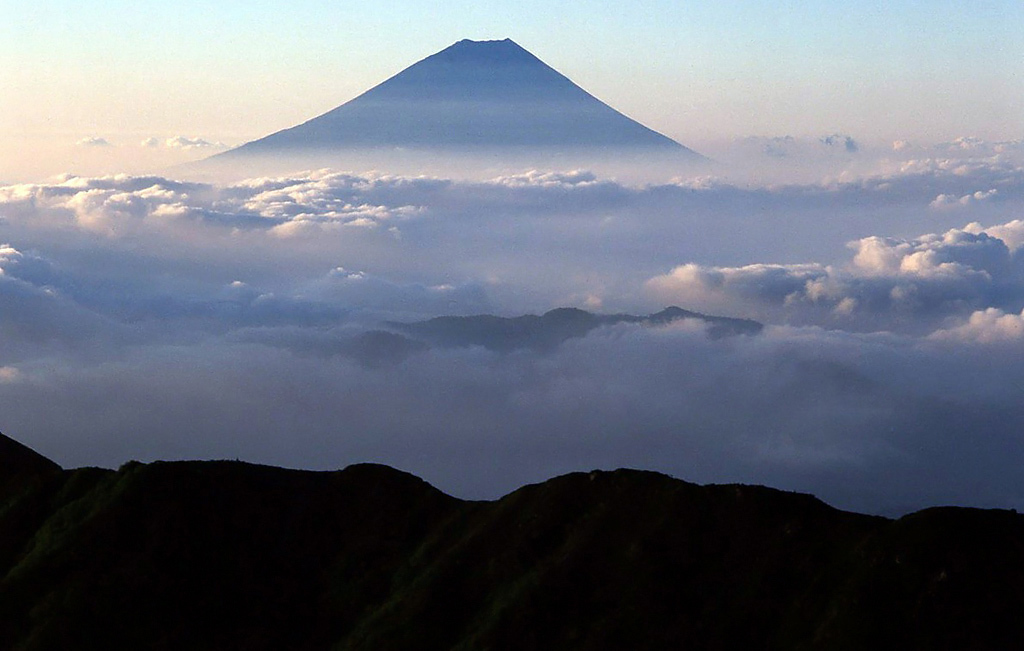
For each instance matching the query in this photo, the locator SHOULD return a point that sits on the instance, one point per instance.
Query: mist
(188, 314)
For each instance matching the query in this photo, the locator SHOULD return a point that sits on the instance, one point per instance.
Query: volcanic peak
(490, 94)
(492, 52)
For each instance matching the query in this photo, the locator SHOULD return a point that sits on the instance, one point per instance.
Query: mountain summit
(471, 95)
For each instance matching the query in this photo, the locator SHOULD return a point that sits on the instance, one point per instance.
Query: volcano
(473, 95)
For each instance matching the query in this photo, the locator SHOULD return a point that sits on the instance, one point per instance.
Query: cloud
(890, 283)
(8, 254)
(184, 142)
(547, 179)
(1011, 233)
(35, 312)
(789, 147)
(369, 292)
(370, 348)
(325, 202)
(944, 201)
(865, 421)
(94, 141)
(978, 147)
(151, 317)
(847, 143)
(967, 150)
(986, 326)
(539, 240)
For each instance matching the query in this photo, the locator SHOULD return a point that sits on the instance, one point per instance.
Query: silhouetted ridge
(546, 332)
(229, 555)
(16, 458)
(490, 94)
(18, 463)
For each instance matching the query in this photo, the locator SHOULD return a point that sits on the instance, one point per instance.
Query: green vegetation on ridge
(227, 555)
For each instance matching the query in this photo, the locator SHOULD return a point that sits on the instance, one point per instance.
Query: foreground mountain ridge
(228, 555)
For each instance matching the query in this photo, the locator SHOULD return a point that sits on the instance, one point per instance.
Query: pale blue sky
(234, 70)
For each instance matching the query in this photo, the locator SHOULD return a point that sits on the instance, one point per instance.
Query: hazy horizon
(188, 80)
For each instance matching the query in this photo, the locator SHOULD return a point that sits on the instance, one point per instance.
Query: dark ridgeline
(471, 95)
(227, 555)
(20, 466)
(547, 331)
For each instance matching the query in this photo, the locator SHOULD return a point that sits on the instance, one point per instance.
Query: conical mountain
(471, 95)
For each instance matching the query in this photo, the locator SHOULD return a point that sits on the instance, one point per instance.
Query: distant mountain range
(227, 555)
(546, 332)
(472, 95)
(392, 342)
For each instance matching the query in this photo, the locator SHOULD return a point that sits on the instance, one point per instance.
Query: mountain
(472, 95)
(546, 332)
(392, 342)
(228, 555)
(19, 464)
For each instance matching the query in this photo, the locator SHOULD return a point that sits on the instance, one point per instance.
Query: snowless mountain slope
(472, 95)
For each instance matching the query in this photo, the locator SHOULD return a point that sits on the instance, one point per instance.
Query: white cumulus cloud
(184, 142)
(952, 201)
(890, 283)
(986, 326)
(94, 141)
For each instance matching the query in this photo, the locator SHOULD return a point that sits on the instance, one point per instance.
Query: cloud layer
(183, 142)
(148, 317)
(890, 283)
(94, 141)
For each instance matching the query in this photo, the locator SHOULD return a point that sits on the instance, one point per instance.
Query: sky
(866, 205)
(699, 72)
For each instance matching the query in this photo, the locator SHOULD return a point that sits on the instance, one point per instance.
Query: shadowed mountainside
(472, 94)
(393, 342)
(21, 466)
(227, 555)
(546, 332)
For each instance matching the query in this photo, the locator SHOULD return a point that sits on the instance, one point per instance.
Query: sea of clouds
(144, 317)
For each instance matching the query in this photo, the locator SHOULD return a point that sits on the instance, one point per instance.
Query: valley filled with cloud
(148, 317)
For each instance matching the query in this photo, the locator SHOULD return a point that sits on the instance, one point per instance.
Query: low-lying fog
(198, 314)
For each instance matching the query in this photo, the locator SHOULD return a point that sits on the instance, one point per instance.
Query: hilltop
(228, 555)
